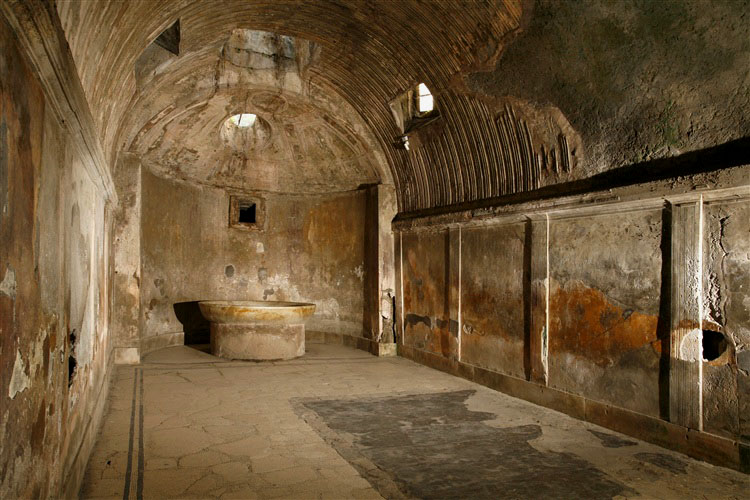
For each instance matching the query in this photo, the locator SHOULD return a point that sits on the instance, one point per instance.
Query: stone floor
(340, 423)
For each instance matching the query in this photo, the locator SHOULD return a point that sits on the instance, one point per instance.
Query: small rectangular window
(245, 212)
(425, 103)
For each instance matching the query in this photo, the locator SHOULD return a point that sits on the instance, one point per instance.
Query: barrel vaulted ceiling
(368, 53)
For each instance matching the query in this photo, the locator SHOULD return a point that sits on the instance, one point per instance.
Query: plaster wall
(309, 249)
(426, 300)
(586, 296)
(531, 94)
(637, 80)
(493, 275)
(605, 277)
(55, 290)
(726, 308)
(572, 311)
(127, 261)
(628, 116)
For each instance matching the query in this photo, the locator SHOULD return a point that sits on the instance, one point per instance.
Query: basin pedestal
(257, 330)
(257, 341)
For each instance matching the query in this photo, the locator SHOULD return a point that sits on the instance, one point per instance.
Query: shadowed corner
(195, 326)
(664, 327)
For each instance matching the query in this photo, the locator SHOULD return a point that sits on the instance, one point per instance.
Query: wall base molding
(132, 356)
(361, 343)
(149, 344)
(696, 444)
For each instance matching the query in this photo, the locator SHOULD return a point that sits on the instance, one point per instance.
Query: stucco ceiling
(369, 53)
(291, 147)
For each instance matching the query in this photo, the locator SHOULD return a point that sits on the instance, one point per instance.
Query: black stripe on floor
(129, 468)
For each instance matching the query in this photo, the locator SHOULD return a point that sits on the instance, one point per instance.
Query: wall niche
(246, 212)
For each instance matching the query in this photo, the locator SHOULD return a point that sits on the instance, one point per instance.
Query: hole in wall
(72, 362)
(414, 110)
(247, 213)
(714, 344)
(229, 271)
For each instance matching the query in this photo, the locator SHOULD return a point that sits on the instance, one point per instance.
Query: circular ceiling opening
(246, 132)
(243, 120)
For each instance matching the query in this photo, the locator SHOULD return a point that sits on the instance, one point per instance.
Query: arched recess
(181, 108)
(310, 144)
(370, 53)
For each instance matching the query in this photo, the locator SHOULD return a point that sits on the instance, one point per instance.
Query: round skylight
(243, 120)
(246, 132)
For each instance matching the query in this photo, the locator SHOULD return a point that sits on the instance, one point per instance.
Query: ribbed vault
(371, 52)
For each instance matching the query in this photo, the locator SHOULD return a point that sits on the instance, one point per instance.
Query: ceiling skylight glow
(243, 120)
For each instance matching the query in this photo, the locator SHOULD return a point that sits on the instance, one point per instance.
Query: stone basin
(254, 311)
(257, 329)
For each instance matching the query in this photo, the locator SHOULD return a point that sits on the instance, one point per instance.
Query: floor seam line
(129, 467)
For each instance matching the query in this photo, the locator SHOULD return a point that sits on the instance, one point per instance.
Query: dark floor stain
(666, 462)
(432, 446)
(611, 441)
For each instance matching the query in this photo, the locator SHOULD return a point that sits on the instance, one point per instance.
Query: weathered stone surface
(573, 214)
(257, 341)
(726, 257)
(55, 291)
(255, 311)
(127, 259)
(627, 78)
(612, 441)
(614, 285)
(667, 462)
(432, 446)
(493, 277)
(427, 324)
(311, 249)
(604, 305)
(341, 423)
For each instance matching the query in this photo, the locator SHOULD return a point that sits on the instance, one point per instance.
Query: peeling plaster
(19, 381)
(690, 348)
(359, 271)
(8, 285)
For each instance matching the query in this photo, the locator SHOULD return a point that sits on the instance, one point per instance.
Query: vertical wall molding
(454, 233)
(686, 338)
(126, 331)
(460, 289)
(386, 268)
(538, 299)
(398, 241)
